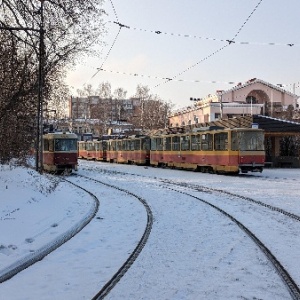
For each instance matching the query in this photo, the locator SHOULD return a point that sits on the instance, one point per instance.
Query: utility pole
(220, 94)
(39, 136)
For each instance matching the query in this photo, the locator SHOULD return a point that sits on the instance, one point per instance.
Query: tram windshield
(248, 141)
(65, 145)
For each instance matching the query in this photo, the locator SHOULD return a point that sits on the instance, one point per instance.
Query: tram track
(205, 189)
(282, 272)
(138, 249)
(237, 196)
(280, 269)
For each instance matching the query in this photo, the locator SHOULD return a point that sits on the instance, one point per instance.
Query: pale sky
(186, 50)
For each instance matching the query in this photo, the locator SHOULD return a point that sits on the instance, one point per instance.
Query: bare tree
(152, 112)
(58, 100)
(104, 90)
(47, 33)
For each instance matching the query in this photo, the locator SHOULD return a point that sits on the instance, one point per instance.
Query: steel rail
(282, 272)
(138, 249)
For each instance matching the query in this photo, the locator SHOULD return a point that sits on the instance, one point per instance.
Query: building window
(251, 99)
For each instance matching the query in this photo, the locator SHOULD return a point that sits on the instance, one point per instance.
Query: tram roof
(268, 124)
(60, 135)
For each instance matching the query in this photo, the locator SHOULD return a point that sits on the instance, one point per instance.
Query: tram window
(145, 144)
(82, 146)
(251, 141)
(176, 143)
(159, 144)
(137, 144)
(221, 141)
(168, 143)
(206, 141)
(51, 145)
(122, 145)
(185, 143)
(153, 144)
(46, 145)
(65, 145)
(195, 142)
(90, 146)
(119, 145)
(234, 141)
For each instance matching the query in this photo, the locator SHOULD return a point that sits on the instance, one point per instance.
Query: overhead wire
(165, 78)
(158, 32)
(114, 10)
(113, 43)
(217, 51)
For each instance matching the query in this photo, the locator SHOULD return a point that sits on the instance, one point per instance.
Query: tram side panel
(111, 153)
(227, 151)
(100, 150)
(82, 151)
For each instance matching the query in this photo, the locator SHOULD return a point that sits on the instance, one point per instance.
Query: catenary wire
(165, 78)
(217, 51)
(113, 43)
(158, 32)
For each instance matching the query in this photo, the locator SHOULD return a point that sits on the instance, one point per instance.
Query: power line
(115, 12)
(114, 41)
(253, 11)
(217, 51)
(192, 66)
(107, 53)
(230, 41)
(166, 78)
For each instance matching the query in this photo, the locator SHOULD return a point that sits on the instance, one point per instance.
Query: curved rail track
(283, 273)
(38, 255)
(260, 203)
(204, 189)
(133, 256)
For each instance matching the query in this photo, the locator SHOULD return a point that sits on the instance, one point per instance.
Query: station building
(251, 98)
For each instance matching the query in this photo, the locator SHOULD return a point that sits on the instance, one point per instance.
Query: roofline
(276, 119)
(250, 82)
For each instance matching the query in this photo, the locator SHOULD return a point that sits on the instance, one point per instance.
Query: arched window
(251, 99)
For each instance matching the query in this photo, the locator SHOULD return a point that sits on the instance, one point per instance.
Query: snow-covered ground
(193, 252)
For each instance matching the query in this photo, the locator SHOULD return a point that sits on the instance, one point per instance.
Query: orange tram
(92, 150)
(206, 149)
